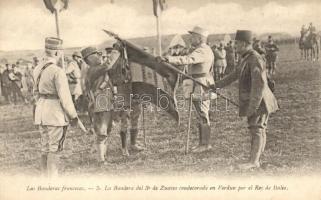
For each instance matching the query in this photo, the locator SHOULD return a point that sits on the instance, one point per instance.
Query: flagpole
(159, 36)
(57, 23)
(58, 36)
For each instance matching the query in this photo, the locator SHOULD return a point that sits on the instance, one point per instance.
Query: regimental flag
(58, 5)
(158, 6)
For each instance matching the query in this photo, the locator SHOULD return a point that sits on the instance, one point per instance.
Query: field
(293, 137)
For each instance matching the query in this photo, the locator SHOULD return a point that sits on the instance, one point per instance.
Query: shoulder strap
(39, 76)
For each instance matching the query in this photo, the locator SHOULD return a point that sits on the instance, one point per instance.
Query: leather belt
(49, 96)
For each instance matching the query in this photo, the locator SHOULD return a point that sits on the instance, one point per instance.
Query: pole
(144, 133)
(159, 36)
(189, 122)
(57, 23)
(58, 36)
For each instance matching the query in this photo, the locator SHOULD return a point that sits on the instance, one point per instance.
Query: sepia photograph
(159, 99)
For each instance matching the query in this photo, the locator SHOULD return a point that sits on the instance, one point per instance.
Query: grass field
(293, 137)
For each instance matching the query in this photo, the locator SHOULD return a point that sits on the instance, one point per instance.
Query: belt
(49, 96)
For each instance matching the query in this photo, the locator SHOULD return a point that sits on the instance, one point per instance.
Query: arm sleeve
(63, 91)
(227, 80)
(257, 85)
(197, 56)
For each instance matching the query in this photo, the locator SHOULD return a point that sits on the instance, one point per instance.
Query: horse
(310, 46)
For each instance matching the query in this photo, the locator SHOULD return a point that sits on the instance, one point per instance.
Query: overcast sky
(25, 23)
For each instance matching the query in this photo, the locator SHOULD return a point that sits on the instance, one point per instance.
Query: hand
(74, 122)
(213, 87)
(160, 59)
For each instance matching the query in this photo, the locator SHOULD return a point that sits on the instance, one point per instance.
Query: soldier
(98, 89)
(200, 62)
(230, 57)
(312, 30)
(35, 62)
(257, 46)
(6, 83)
(16, 85)
(271, 56)
(54, 107)
(74, 78)
(256, 100)
(220, 61)
(130, 108)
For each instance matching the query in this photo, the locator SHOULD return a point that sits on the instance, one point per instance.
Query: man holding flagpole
(200, 65)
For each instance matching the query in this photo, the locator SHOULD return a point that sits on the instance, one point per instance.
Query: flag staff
(159, 36)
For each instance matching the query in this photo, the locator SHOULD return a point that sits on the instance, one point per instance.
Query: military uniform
(54, 107)
(200, 63)
(99, 90)
(256, 100)
(271, 56)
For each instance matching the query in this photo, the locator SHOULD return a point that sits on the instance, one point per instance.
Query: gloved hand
(74, 122)
(160, 59)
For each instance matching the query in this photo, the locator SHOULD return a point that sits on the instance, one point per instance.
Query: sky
(26, 23)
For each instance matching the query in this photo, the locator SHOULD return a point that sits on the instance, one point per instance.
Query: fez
(244, 35)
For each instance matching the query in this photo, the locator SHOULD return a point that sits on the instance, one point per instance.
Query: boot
(123, 137)
(204, 139)
(52, 165)
(43, 165)
(133, 145)
(257, 145)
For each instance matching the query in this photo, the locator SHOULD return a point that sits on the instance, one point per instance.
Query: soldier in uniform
(230, 57)
(256, 100)
(271, 56)
(130, 108)
(74, 78)
(200, 63)
(54, 107)
(99, 90)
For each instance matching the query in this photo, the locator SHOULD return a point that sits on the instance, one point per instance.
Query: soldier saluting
(54, 107)
(256, 100)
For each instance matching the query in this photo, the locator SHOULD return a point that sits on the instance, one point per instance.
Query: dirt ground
(293, 137)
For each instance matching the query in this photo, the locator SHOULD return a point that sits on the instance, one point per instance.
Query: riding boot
(257, 145)
(133, 137)
(205, 135)
(43, 165)
(52, 165)
(123, 137)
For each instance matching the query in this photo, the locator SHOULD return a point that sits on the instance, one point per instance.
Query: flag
(158, 7)
(58, 5)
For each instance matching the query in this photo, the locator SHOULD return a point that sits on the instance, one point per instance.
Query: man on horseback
(98, 90)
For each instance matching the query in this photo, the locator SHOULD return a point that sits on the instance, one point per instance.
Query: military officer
(54, 107)
(256, 100)
(271, 56)
(99, 90)
(200, 63)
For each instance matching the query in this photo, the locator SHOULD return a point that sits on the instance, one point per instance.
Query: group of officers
(55, 108)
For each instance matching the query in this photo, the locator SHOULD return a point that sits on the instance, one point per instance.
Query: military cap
(53, 43)
(76, 54)
(244, 35)
(198, 30)
(88, 51)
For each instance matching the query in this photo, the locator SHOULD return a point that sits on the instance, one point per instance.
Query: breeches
(102, 125)
(129, 118)
(202, 109)
(258, 122)
(52, 138)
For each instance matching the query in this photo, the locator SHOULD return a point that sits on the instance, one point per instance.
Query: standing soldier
(256, 100)
(6, 83)
(271, 56)
(200, 63)
(74, 79)
(54, 107)
(99, 90)
(220, 61)
(230, 57)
